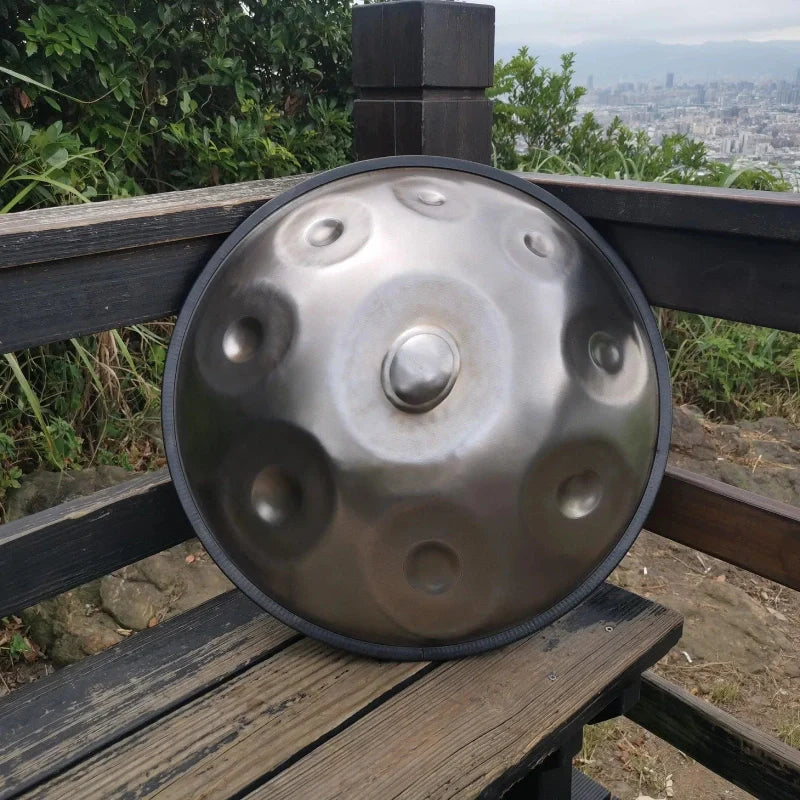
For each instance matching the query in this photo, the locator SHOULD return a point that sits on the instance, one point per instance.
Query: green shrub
(173, 94)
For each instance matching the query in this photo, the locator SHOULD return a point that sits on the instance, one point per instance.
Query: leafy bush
(533, 106)
(172, 94)
(45, 166)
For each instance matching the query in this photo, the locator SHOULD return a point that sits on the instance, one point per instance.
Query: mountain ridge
(612, 61)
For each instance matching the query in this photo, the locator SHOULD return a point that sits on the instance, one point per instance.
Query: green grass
(731, 370)
(789, 730)
(725, 693)
(89, 400)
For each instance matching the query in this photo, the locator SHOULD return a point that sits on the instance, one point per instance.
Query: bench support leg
(552, 779)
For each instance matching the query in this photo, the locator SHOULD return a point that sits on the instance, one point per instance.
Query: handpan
(416, 408)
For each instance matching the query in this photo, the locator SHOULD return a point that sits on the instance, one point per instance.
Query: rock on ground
(42, 489)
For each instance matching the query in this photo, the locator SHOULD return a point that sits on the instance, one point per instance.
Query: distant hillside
(610, 62)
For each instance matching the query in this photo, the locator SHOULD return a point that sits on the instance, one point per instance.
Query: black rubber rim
(438, 652)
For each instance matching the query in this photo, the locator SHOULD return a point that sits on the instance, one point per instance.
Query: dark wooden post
(421, 68)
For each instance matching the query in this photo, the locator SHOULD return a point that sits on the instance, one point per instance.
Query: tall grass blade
(36, 409)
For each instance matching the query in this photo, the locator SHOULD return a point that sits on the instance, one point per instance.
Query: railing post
(421, 68)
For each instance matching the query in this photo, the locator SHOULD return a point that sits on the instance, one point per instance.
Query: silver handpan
(416, 408)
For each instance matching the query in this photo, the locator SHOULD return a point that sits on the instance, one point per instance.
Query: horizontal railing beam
(51, 234)
(69, 271)
(740, 527)
(747, 757)
(51, 551)
(55, 550)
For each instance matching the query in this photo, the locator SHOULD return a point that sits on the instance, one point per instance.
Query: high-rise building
(670, 80)
(797, 77)
(590, 81)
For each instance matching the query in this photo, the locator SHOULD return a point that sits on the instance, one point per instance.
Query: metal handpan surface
(416, 407)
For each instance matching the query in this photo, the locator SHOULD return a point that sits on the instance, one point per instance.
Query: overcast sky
(570, 22)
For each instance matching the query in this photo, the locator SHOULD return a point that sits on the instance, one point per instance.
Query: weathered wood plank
(741, 527)
(219, 744)
(52, 551)
(748, 279)
(57, 721)
(59, 299)
(473, 726)
(745, 756)
(704, 209)
(50, 234)
(121, 525)
(69, 271)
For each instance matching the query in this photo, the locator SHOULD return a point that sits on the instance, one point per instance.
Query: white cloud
(569, 22)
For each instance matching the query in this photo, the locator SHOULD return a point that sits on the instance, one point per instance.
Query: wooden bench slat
(50, 725)
(75, 270)
(740, 527)
(745, 756)
(77, 541)
(478, 725)
(219, 744)
(63, 547)
(307, 698)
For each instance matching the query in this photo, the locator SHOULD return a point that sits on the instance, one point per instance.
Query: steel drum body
(416, 408)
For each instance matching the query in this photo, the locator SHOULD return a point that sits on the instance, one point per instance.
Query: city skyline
(744, 123)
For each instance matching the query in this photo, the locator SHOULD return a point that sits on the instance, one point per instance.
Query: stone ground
(741, 643)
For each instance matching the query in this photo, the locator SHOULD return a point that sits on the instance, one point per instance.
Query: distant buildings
(749, 123)
(590, 81)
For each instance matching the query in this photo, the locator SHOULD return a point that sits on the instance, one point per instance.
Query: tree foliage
(169, 94)
(532, 105)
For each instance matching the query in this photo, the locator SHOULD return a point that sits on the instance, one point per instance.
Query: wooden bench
(224, 701)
